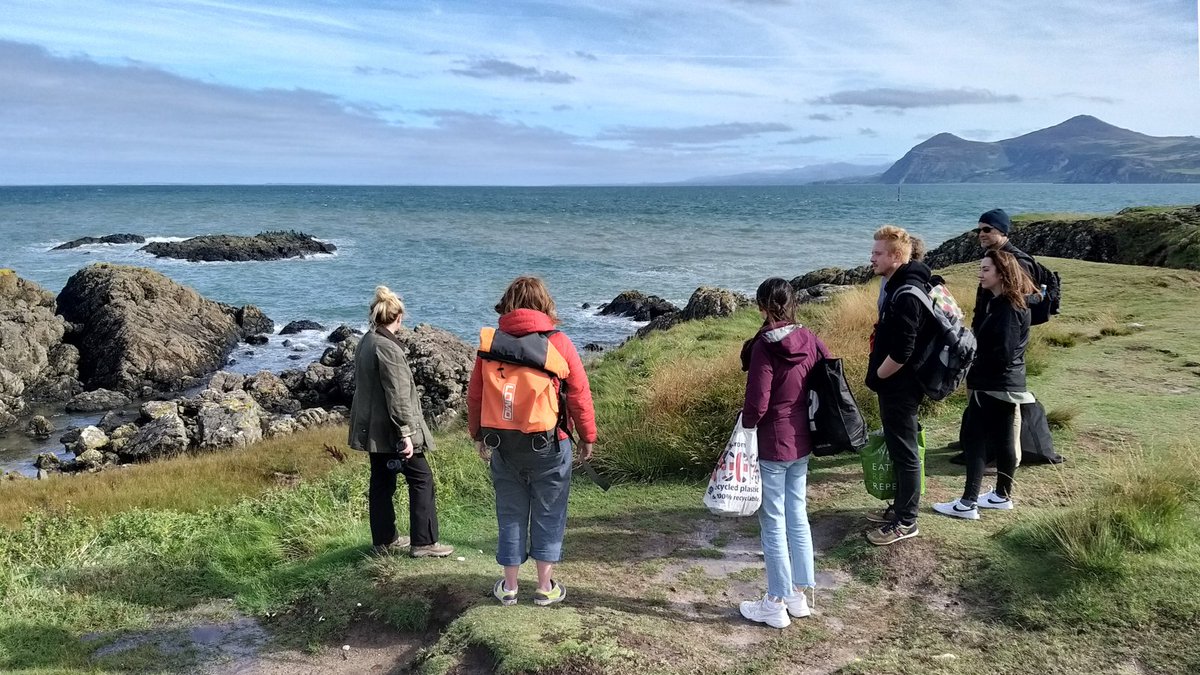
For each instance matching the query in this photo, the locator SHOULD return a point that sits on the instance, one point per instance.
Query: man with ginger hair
(902, 329)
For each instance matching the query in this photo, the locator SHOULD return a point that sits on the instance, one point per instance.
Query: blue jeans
(783, 518)
(532, 487)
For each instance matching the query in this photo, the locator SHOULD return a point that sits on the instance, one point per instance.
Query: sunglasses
(985, 230)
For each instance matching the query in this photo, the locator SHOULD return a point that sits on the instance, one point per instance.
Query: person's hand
(485, 453)
(406, 448)
(585, 451)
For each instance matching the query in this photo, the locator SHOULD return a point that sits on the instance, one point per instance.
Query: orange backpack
(521, 406)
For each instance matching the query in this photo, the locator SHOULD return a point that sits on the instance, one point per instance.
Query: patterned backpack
(941, 366)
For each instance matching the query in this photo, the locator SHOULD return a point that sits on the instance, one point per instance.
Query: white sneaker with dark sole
(955, 509)
(994, 501)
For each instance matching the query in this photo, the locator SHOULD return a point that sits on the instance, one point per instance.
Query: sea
(450, 251)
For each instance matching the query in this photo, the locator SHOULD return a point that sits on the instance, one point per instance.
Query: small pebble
(358, 605)
(461, 559)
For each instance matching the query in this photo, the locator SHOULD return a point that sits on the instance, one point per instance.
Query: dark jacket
(581, 411)
(1002, 332)
(981, 296)
(778, 359)
(904, 325)
(387, 405)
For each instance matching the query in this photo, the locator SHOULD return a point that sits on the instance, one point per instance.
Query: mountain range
(1082, 149)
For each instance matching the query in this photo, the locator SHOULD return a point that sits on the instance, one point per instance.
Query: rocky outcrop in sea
(262, 246)
(637, 306)
(705, 302)
(106, 239)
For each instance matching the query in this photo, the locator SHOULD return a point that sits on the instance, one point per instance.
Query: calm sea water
(451, 251)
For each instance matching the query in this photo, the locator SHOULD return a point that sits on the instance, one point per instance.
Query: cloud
(586, 56)
(562, 107)
(822, 117)
(371, 70)
(492, 69)
(914, 98)
(869, 133)
(805, 140)
(1089, 99)
(979, 134)
(697, 135)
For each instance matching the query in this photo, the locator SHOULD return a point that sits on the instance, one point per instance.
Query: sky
(570, 92)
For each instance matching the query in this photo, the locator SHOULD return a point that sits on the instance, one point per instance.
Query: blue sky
(613, 91)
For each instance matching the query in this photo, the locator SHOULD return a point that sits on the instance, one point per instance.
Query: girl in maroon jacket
(777, 360)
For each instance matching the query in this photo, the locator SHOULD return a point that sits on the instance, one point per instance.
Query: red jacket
(579, 392)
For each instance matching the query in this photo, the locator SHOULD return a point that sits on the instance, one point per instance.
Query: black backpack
(1044, 277)
(834, 420)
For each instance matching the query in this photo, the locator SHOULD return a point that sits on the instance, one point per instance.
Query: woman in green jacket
(386, 422)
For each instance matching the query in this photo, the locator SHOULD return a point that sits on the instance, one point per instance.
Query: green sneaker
(505, 596)
(557, 593)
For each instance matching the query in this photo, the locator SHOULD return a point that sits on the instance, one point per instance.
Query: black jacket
(1002, 332)
(903, 325)
(981, 296)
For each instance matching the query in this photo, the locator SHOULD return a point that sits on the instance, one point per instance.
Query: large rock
(106, 239)
(638, 306)
(441, 364)
(39, 427)
(33, 361)
(228, 419)
(138, 328)
(835, 276)
(97, 400)
(262, 246)
(706, 302)
(163, 436)
(270, 392)
(294, 327)
(341, 333)
(251, 321)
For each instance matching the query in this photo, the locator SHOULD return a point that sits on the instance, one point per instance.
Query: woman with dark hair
(525, 374)
(386, 422)
(777, 361)
(997, 384)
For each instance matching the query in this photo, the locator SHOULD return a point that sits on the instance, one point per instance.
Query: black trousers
(898, 412)
(992, 431)
(422, 508)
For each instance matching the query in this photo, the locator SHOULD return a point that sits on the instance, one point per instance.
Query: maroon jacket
(778, 360)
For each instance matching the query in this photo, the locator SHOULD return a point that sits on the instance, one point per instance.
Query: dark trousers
(992, 431)
(422, 510)
(898, 412)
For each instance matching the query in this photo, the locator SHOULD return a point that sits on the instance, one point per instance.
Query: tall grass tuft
(1144, 507)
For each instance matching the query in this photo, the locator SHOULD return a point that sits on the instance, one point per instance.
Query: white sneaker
(774, 614)
(797, 604)
(955, 509)
(994, 501)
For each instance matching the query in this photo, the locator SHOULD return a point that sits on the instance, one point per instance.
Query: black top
(1002, 332)
(981, 296)
(903, 324)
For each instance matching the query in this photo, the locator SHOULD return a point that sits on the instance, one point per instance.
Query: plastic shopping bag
(878, 472)
(735, 488)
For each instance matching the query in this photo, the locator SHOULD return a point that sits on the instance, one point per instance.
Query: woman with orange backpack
(527, 392)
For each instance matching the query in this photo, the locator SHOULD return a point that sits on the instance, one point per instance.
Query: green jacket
(387, 406)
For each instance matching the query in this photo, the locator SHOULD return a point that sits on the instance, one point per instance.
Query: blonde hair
(385, 307)
(527, 293)
(899, 241)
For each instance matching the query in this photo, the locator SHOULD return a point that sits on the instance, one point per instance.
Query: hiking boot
(506, 597)
(797, 604)
(892, 533)
(885, 516)
(434, 550)
(774, 614)
(398, 545)
(557, 593)
(994, 501)
(956, 509)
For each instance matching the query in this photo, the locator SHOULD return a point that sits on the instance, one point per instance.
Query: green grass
(1095, 572)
